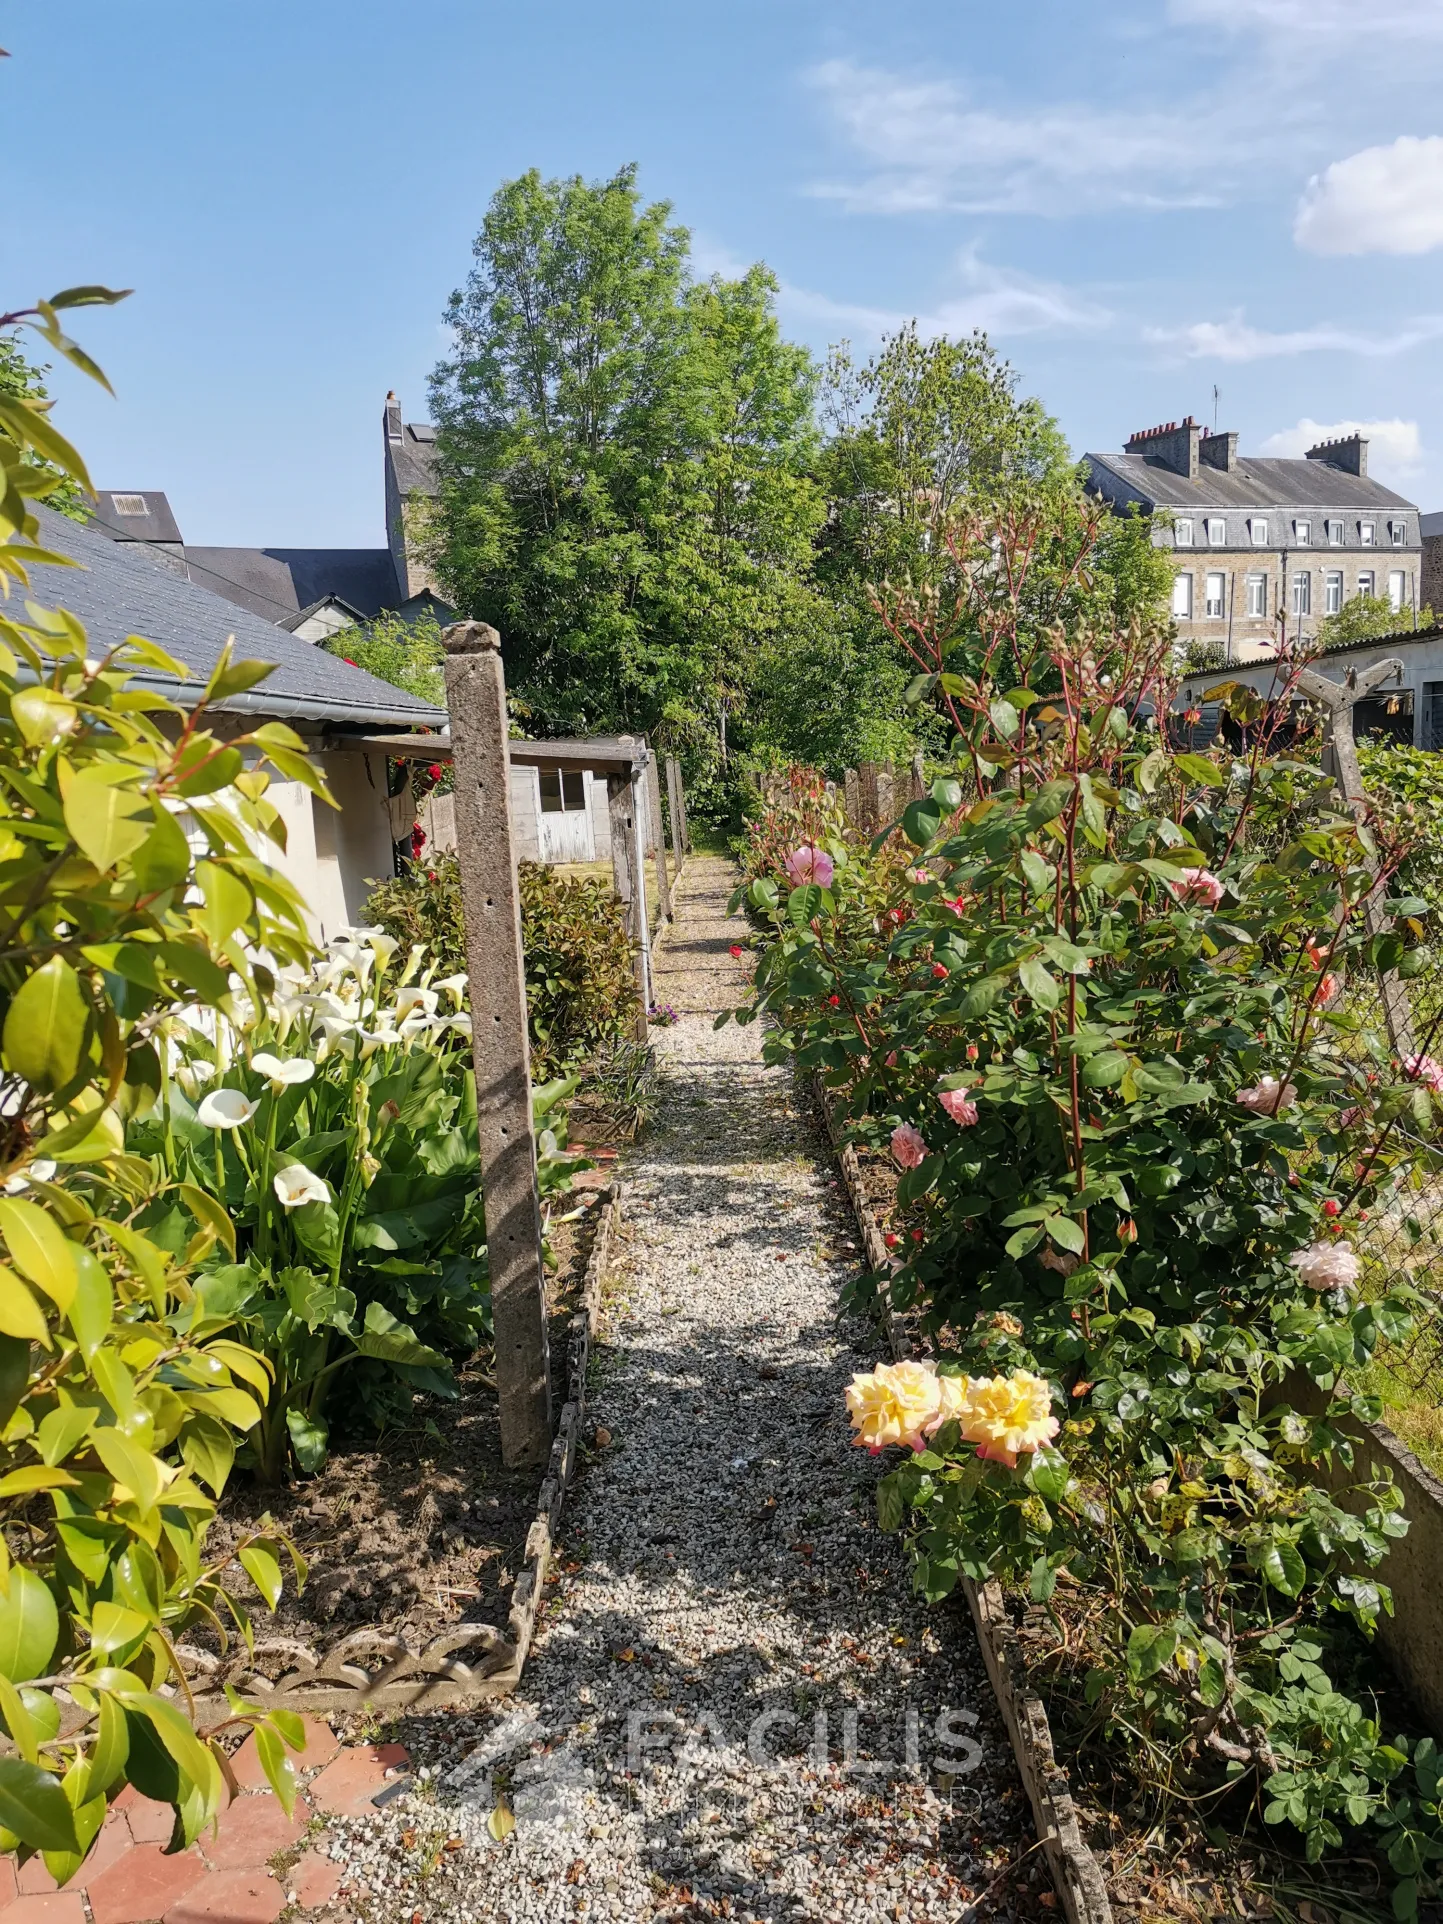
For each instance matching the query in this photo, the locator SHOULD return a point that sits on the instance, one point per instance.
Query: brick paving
(231, 1874)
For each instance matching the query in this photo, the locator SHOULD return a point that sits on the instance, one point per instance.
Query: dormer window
(1399, 532)
(1258, 529)
(1335, 534)
(1217, 533)
(1182, 534)
(1367, 533)
(1303, 533)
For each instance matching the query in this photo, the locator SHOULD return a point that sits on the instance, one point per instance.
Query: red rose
(834, 1002)
(1332, 1208)
(939, 970)
(890, 1240)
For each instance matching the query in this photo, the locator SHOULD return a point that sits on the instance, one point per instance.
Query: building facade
(1264, 547)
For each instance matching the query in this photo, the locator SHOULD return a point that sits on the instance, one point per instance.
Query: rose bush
(1118, 955)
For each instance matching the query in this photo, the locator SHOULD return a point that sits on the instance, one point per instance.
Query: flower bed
(1088, 1001)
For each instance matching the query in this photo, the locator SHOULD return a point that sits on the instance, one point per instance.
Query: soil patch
(422, 1528)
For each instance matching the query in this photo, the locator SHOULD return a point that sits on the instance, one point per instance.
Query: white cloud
(1395, 446)
(996, 299)
(1234, 340)
(930, 148)
(1384, 200)
(1313, 19)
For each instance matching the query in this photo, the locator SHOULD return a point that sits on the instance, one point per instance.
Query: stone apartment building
(1258, 541)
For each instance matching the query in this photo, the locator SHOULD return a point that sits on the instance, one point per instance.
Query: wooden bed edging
(1081, 1887)
(373, 1667)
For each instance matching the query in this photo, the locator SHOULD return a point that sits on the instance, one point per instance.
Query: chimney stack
(1219, 451)
(393, 418)
(1174, 445)
(1349, 452)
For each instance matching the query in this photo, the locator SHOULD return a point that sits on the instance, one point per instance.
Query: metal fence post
(491, 903)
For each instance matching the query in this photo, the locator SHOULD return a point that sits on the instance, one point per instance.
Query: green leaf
(107, 818)
(1198, 768)
(39, 1249)
(391, 1341)
(207, 1448)
(33, 1805)
(117, 1631)
(263, 1567)
(1048, 803)
(1149, 1649)
(210, 1214)
(162, 860)
(29, 1629)
(1042, 987)
(921, 820)
(131, 1466)
(227, 902)
(280, 1771)
(20, 1314)
(45, 1026)
(1104, 1070)
(1151, 770)
(1066, 1232)
(1284, 1568)
(1004, 718)
(310, 1439)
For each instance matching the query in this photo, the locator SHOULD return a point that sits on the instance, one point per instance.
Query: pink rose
(808, 864)
(908, 1145)
(1425, 1069)
(959, 1106)
(1200, 887)
(1326, 1265)
(1267, 1097)
(1329, 989)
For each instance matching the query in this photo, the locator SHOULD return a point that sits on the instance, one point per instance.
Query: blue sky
(1138, 201)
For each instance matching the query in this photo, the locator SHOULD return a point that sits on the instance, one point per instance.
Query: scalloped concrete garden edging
(1076, 1872)
(373, 1667)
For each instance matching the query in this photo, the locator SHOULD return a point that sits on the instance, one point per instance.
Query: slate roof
(156, 523)
(118, 590)
(414, 459)
(277, 583)
(1252, 482)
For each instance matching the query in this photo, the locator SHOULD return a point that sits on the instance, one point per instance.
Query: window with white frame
(1397, 589)
(1182, 596)
(1215, 599)
(1303, 533)
(1333, 591)
(1258, 595)
(1302, 585)
(1182, 534)
(1217, 533)
(1399, 532)
(1335, 534)
(1258, 529)
(1367, 533)
(1366, 582)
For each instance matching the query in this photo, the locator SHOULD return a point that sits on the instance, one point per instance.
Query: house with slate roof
(1259, 545)
(311, 592)
(334, 855)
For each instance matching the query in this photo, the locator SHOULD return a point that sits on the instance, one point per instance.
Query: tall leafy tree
(625, 463)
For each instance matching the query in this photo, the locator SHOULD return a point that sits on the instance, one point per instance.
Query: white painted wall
(1422, 665)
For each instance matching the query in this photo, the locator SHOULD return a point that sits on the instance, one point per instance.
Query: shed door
(565, 819)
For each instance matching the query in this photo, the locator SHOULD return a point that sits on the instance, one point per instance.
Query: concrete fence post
(678, 810)
(658, 833)
(491, 905)
(852, 794)
(629, 879)
(869, 798)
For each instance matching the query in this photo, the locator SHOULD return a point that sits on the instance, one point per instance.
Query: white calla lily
(226, 1109)
(452, 985)
(461, 1024)
(288, 1074)
(191, 1076)
(413, 962)
(410, 1001)
(381, 945)
(373, 1039)
(40, 1170)
(295, 1186)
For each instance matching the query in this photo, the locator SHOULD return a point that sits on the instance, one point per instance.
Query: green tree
(408, 654)
(1369, 618)
(626, 466)
(22, 380)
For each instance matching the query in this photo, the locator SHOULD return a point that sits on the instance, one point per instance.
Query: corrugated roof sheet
(118, 590)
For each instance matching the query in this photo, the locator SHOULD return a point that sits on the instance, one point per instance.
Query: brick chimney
(1349, 452)
(1174, 445)
(1219, 451)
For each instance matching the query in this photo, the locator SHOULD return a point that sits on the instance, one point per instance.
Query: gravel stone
(735, 1707)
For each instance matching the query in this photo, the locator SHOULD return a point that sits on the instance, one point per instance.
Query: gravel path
(734, 1707)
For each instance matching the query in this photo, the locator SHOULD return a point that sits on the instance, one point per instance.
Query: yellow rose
(894, 1403)
(1007, 1416)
